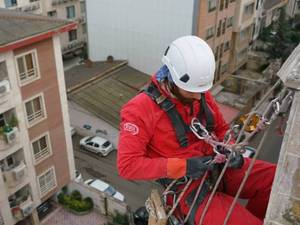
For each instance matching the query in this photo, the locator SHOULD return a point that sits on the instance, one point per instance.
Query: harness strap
(206, 113)
(169, 107)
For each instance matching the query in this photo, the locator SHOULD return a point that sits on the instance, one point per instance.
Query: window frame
(43, 108)
(47, 191)
(11, 3)
(211, 34)
(213, 8)
(74, 30)
(67, 12)
(49, 148)
(36, 67)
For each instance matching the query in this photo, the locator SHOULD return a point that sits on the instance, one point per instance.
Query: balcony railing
(9, 138)
(58, 2)
(74, 45)
(30, 7)
(15, 175)
(21, 207)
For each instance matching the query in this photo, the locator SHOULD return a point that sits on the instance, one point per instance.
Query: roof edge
(38, 37)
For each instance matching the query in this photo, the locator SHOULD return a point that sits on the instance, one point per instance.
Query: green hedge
(75, 201)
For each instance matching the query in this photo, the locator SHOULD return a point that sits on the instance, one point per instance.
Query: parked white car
(96, 144)
(78, 177)
(105, 187)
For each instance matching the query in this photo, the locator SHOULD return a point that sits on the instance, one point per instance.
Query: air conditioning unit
(11, 136)
(27, 208)
(19, 171)
(4, 86)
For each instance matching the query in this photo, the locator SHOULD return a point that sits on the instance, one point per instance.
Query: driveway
(62, 217)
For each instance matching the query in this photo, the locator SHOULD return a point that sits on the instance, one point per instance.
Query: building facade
(243, 27)
(36, 156)
(72, 42)
(293, 8)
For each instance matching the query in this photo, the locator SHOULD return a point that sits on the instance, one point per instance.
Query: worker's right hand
(196, 167)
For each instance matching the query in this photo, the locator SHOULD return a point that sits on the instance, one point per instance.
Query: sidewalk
(62, 217)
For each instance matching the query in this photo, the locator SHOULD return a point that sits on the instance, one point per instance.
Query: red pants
(257, 189)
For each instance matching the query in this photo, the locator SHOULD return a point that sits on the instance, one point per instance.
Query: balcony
(58, 2)
(8, 137)
(21, 204)
(73, 46)
(33, 6)
(15, 174)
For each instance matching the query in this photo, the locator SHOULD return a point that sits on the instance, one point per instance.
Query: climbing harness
(178, 124)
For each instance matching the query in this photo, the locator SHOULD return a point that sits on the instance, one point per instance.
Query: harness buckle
(160, 99)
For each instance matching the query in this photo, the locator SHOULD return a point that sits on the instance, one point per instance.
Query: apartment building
(293, 8)
(215, 25)
(271, 11)
(36, 156)
(243, 27)
(72, 42)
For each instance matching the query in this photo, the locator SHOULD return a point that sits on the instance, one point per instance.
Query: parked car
(96, 144)
(78, 176)
(73, 131)
(105, 187)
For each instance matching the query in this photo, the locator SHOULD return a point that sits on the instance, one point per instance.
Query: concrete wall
(103, 203)
(138, 31)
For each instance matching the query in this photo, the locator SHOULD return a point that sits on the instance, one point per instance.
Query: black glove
(197, 166)
(237, 161)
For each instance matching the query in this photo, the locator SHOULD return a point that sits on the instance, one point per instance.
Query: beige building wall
(51, 86)
(243, 27)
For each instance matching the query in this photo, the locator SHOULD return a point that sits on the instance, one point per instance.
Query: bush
(89, 202)
(76, 195)
(75, 201)
(120, 219)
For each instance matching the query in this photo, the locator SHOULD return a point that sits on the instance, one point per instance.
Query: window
(221, 50)
(224, 26)
(224, 68)
(47, 181)
(82, 7)
(212, 5)
(41, 148)
(33, 0)
(249, 9)
(219, 28)
(230, 22)
(3, 71)
(210, 32)
(226, 46)
(2, 120)
(70, 12)
(84, 28)
(226, 3)
(52, 13)
(217, 53)
(10, 3)
(221, 5)
(27, 67)
(35, 110)
(72, 35)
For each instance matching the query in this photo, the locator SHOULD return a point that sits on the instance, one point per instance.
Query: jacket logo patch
(131, 128)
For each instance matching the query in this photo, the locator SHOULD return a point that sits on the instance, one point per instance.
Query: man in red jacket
(156, 142)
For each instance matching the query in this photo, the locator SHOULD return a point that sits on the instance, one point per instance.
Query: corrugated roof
(15, 26)
(105, 97)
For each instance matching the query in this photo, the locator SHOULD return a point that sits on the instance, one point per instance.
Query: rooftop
(106, 92)
(16, 26)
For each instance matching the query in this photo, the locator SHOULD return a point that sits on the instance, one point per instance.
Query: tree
(280, 37)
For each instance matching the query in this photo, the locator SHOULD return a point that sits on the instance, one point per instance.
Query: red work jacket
(147, 138)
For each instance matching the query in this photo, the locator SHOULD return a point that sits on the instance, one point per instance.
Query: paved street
(92, 166)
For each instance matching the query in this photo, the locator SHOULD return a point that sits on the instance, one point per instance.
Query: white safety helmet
(191, 63)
